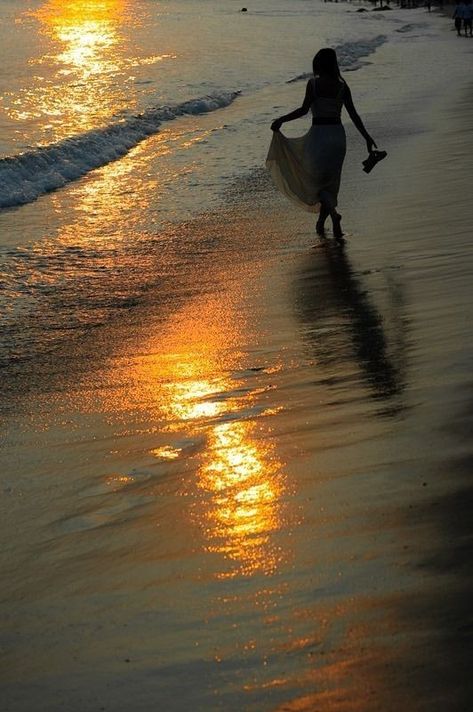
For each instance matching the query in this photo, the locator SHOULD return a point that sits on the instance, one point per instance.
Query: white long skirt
(308, 169)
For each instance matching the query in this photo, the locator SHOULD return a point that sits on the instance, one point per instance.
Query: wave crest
(23, 178)
(349, 55)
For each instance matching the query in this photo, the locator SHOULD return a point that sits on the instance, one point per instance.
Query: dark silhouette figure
(458, 14)
(468, 18)
(308, 170)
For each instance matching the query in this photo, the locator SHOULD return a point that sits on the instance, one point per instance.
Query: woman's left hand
(370, 144)
(276, 125)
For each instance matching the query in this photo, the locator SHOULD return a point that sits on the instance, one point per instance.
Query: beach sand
(254, 492)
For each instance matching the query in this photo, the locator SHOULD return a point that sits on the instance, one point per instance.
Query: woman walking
(308, 169)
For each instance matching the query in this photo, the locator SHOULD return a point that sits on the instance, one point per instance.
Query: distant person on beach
(308, 169)
(468, 18)
(458, 14)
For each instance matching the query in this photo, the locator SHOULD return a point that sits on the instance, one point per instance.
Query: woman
(308, 169)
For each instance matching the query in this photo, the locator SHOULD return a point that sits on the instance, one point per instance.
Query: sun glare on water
(83, 68)
(83, 52)
(88, 31)
(238, 492)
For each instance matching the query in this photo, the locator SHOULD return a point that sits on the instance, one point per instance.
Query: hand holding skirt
(308, 169)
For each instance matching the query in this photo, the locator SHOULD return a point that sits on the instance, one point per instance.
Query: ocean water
(119, 119)
(235, 470)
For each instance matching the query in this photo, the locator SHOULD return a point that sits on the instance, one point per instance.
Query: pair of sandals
(373, 158)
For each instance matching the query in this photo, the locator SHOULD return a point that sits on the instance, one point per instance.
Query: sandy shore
(255, 494)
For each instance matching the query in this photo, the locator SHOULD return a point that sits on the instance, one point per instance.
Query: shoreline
(258, 497)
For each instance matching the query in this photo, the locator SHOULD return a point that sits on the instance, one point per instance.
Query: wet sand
(252, 492)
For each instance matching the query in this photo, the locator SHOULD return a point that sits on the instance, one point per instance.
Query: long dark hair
(325, 62)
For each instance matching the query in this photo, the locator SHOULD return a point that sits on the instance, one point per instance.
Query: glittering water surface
(90, 62)
(235, 460)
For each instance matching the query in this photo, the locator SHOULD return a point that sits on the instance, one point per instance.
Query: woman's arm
(297, 113)
(354, 116)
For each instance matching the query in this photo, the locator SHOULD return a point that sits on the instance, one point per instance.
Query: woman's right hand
(276, 125)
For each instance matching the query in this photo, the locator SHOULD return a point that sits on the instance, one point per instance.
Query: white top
(326, 107)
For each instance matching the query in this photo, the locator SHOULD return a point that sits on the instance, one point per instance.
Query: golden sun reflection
(111, 201)
(192, 399)
(245, 484)
(207, 417)
(86, 31)
(88, 55)
(166, 452)
(87, 37)
(239, 487)
(116, 482)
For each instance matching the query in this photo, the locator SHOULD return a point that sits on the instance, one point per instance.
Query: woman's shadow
(344, 326)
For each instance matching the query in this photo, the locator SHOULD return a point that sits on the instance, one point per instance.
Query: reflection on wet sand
(239, 480)
(342, 324)
(243, 478)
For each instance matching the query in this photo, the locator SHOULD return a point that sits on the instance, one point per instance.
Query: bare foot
(337, 226)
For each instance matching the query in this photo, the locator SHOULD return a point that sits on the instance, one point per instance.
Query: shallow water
(74, 258)
(235, 466)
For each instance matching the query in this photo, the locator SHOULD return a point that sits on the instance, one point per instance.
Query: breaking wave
(24, 177)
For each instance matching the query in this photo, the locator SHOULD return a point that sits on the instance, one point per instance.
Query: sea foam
(350, 55)
(24, 177)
